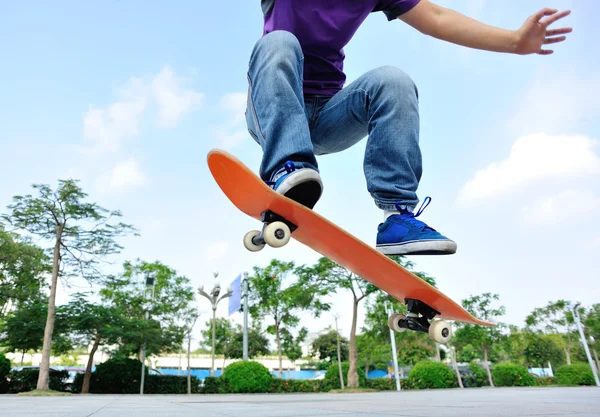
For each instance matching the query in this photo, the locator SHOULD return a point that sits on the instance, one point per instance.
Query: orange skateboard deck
(252, 196)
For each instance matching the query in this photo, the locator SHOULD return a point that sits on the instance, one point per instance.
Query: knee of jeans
(393, 79)
(280, 45)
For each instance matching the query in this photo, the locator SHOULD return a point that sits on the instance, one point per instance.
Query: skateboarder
(298, 106)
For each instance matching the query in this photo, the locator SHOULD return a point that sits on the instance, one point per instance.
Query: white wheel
(277, 234)
(440, 331)
(251, 246)
(393, 322)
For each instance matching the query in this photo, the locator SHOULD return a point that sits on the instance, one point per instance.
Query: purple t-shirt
(324, 28)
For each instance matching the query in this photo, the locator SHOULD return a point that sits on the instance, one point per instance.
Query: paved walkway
(496, 402)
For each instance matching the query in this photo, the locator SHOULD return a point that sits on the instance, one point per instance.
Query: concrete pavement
(489, 402)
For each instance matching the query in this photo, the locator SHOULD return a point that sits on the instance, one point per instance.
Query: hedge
(4, 372)
(26, 380)
(511, 375)
(429, 374)
(576, 374)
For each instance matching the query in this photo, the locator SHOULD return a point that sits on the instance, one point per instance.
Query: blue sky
(130, 96)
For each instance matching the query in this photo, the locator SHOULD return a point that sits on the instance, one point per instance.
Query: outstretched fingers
(554, 17)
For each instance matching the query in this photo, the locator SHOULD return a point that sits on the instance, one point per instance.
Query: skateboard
(284, 218)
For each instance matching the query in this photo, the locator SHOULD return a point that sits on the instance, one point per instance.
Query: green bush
(26, 380)
(247, 377)
(296, 385)
(170, 384)
(213, 385)
(383, 384)
(117, 375)
(576, 374)
(511, 375)
(477, 377)
(4, 372)
(429, 374)
(544, 381)
(332, 377)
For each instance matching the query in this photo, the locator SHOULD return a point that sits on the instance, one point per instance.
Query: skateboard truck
(418, 319)
(276, 232)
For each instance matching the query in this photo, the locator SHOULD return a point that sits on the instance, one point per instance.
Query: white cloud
(234, 132)
(216, 250)
(533, 158)
(557, 104)
(236, 104)
(173, 101)
(125, 176)
(108, 127)
(567, 206)
(228, 141)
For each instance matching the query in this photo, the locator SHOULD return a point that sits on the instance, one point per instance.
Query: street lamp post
(214, 299)
(584, 342)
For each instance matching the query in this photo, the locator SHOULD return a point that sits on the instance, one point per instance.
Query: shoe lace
(289, 168)
(411, 217)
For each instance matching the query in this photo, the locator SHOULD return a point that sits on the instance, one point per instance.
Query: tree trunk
(44, 376)
(85, 387)
(487, 365)
(278, 337)
(455, 365)
(567, 355)
(23, 357)
(596, 359)
(353, 359)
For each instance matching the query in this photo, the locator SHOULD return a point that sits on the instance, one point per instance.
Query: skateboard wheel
(277, 234)
(440, 331)
(249, 244)
(394, 322)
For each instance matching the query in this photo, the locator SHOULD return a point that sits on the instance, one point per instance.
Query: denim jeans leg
(275, 112)
(383, 105)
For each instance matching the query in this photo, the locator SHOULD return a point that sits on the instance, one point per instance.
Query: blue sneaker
(302, 185)
(403, 234)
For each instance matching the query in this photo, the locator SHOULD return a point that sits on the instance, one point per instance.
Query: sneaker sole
(419, 247)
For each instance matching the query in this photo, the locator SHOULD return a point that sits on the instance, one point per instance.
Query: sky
(129, 97)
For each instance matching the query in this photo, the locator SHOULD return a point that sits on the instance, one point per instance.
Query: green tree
(481, 306)
(292, 346)
(372, 354)
(325, 346)
(22, 329)
(269, 298)
(591, 322)
(333, 277)
(93, 324)
(540, 350)
(555, 318)
(155, 315)
(22, 267)
(258, 345)
(81, 234)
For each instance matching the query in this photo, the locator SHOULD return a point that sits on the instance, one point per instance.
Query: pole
(245, 329)
(189, 377)
(143, 360)
(212, 368)
(338, 353)
(584, 343)
(394, 356)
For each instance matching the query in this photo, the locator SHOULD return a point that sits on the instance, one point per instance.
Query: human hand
(534, 33)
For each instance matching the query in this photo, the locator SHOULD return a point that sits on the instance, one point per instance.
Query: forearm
(451, 26)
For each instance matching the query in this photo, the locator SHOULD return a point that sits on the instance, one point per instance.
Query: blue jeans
(290, 126)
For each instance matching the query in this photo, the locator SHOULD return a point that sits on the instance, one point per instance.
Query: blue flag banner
(235, 300)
